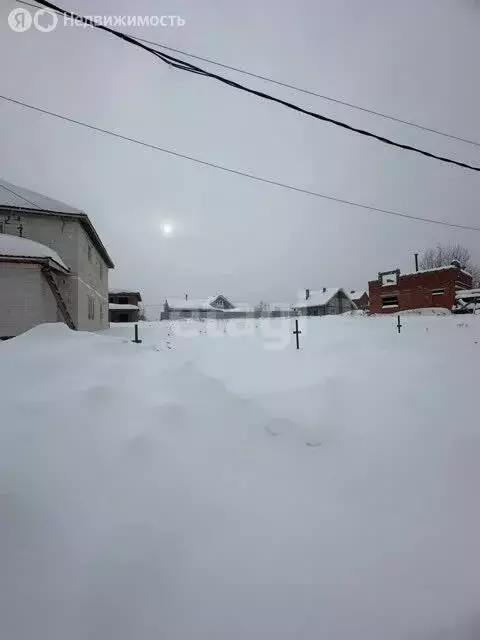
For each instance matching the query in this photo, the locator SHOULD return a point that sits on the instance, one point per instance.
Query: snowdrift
(216, 489)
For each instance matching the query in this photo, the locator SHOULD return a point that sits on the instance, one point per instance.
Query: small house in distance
(360, 298)
(392, 292)
(324, 302)
(123, 305)
(178, 308)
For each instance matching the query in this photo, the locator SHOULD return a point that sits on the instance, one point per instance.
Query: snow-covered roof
(13, 246)
(319, 298)
(13, 196)
(356, 295)
(122, 307)
(464, 294)
(187, 305)
(127, 292)
(194, 304)
(445, 268)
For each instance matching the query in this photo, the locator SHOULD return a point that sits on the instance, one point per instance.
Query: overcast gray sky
(416, 59)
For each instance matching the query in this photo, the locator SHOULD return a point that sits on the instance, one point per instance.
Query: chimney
(352, 291)
(307, 294)
(186, 297)
(324, 289)
(416, 262)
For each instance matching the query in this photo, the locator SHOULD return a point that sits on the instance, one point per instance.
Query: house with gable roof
(178, 308)
(53, 264)
(323, 302)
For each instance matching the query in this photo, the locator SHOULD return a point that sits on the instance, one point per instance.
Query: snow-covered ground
(213, 483)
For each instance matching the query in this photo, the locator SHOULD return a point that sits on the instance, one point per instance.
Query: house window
(91, 308)
(389, 301)
(438, 292)
(89, 253)
(123, 300)
(101, 312)
(2, 226)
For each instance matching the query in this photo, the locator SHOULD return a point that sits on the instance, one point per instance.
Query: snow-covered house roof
(199, 304)
(23, 248)
(319, 298)
(356, 295)
(126, 292)
(122, 307)
(17, 198)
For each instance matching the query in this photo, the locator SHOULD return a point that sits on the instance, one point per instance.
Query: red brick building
(393, 292)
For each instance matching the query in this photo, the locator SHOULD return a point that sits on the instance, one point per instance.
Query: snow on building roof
(356, 295)
(444, 268)
(191, 304)
(13, 246)
(464, 294)
(319, 298)
(122, 307)
(195, 304)
(12, 196)
(128, 292)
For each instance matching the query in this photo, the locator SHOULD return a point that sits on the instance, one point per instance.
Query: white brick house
(33, 288)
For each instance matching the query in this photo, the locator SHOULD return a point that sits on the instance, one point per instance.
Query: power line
(279, 83)
(237, 172)
(186, 66)
(19, 196)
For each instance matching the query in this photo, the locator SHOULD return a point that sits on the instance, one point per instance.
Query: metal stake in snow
(399, 325)
(137, 341)
(297, 333)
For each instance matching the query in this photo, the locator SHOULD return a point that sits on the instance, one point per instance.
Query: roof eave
(126, 292)
(45, 262)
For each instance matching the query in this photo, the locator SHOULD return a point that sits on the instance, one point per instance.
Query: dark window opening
(390, 301)
(123, 300)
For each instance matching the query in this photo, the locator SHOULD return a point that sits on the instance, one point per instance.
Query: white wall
(25, 299)
(92, 281)
(89, 276)
(61, 235)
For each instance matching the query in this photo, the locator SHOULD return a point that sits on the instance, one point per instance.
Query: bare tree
(444, 254)
(142, 313)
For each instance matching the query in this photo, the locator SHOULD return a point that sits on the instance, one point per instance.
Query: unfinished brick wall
(417, 290)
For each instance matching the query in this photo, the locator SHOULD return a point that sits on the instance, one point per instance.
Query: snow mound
(221, 490)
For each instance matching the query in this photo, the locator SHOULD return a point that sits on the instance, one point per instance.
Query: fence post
(137, 341)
